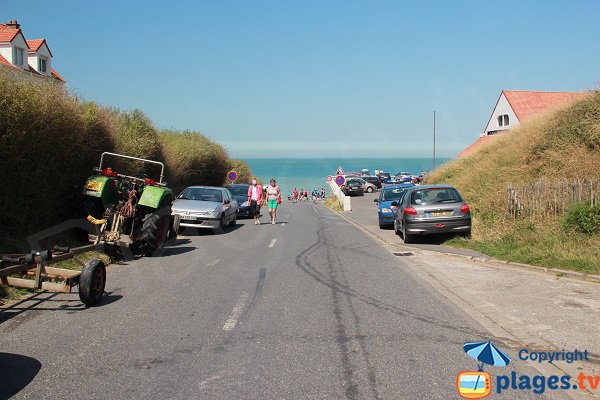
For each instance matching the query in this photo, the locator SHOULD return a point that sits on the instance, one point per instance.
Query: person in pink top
(255, 196)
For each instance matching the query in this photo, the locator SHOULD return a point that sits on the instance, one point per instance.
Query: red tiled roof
(527, 104)
(482, 141)
(7, 34)
(57, 75)
(4, 61)
(35, 44)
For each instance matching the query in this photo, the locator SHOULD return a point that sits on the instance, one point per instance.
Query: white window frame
(502, 120)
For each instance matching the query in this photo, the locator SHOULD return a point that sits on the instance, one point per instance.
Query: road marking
(211, 263)
(236, 312)
(283, 224)
(272, 243)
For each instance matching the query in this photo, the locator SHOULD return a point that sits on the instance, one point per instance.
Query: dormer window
(503, 120)
(42, 64)
(18, 56)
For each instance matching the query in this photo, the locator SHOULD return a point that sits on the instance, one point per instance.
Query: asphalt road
(310, 308)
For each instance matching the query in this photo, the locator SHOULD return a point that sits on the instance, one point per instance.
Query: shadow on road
(46, 301)
(17, 372)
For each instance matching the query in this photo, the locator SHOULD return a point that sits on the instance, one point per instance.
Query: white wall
(6, 51)
(43, 51)
(503, 107)
(18, 41)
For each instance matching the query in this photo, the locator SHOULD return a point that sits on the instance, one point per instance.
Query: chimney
(13, 24)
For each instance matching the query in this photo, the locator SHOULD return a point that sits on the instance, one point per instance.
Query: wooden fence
(550, 199)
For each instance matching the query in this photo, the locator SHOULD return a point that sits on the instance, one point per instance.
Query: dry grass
(334, 203)
(50, 140)
(558, 145)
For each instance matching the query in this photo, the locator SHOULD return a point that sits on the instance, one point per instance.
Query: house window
(503, 120)
(42, 64)
(18, 56)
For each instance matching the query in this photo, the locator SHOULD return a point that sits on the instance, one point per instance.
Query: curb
(558, 273)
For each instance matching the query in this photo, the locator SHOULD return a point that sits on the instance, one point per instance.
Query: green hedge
(583, 218)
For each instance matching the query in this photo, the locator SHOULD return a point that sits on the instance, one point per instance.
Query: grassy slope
(559, 145)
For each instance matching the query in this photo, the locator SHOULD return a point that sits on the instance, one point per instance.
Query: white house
(514, 107)
(30, 56)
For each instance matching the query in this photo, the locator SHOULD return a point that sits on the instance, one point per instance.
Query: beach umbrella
(486, 353)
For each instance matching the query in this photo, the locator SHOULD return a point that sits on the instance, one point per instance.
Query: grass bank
(560, 145)
(51, 139)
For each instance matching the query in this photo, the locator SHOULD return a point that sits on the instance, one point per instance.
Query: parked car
(240, 193)
(403, 177)
(432, 209)
(353, 187)
(389, 198)
(205, 207)
(373, 179)
(367, 186)
(385, 177)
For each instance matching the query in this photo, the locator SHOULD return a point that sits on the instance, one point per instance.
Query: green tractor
(128, 211)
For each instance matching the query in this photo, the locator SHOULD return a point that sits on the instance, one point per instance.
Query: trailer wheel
(155, 227)
(91, 282)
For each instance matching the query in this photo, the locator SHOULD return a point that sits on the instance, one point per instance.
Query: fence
(550, 199)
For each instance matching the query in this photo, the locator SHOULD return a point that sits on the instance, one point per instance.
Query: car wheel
(221, 227)
(381, 226)
(396, 231)
(369, 190)
(405, 236)
(233, 221)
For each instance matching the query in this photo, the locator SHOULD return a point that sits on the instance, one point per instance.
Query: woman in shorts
(273, 199)
(255, 195)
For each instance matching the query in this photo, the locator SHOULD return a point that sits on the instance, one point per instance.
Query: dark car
(240, 193)
(373, 179)
(385, 176)
(432, 209)
(353, 187)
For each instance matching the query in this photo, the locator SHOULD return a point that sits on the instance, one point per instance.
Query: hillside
(50, 140)
(560, 146)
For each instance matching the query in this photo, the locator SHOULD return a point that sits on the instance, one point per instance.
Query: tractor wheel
(174, 228)
(155, 227)
(92, 206)
(91, 282)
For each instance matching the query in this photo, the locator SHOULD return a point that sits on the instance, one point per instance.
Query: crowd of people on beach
(296, 195)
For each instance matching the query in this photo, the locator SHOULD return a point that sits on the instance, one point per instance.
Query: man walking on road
(255, 199)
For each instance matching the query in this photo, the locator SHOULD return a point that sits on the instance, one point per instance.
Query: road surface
(310, 308)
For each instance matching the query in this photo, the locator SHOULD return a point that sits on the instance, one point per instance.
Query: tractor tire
(155, 227)
(91, 282)
(174, 228)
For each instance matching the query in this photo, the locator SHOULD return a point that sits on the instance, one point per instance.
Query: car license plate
(441, 213)
(189, 217)
(94, 186)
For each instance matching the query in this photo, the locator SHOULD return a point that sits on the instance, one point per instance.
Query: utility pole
(433, 140)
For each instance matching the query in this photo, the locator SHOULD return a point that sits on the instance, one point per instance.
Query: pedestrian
(376, 172)
(255, 196)
(323, 193)
(273, 199)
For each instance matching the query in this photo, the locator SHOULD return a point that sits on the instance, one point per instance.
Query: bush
(50, 140)
(583, 218)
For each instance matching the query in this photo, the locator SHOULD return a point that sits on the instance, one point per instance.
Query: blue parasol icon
(486, 353)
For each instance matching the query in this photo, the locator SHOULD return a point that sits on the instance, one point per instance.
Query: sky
(317, 78)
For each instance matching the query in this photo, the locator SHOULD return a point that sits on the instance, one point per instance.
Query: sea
(311, 173)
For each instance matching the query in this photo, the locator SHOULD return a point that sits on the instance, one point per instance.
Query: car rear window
(202, 194)
(238, 190)
(393, 194)
(435, 196)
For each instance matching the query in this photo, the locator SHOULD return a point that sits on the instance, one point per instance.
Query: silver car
(205, 207)
(431, 209)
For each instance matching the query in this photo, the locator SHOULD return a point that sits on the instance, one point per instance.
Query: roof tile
(527, 104)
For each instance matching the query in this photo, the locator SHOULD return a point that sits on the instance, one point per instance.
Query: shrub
(583, 218)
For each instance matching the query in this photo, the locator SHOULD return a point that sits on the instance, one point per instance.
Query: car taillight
(465, 209)
(150, 182)
(410, 211)
(108, 172)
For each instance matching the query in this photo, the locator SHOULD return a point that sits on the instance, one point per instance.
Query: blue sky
(317, 78)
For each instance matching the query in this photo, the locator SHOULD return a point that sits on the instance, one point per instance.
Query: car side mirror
(226, 202)
(376, 200)
(394, 204)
